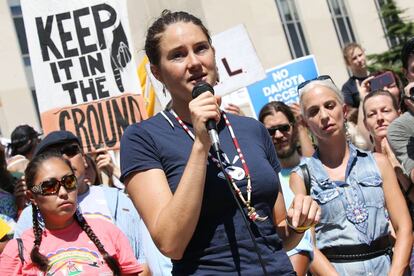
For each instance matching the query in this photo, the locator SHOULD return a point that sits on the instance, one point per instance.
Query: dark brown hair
(406, 52)
(38, 258)
(152, 42)
(272, 107)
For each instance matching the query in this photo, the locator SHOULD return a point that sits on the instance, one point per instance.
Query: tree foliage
(398, 30)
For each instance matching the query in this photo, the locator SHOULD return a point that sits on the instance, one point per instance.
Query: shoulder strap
(306, 177)
(116, 206)
(20, 248)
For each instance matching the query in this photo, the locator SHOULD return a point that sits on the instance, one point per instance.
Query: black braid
(38, 259)
(110, 260)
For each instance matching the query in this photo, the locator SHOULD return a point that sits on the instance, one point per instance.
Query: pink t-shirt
(71, 252)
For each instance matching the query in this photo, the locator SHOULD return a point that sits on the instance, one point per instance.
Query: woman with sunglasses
(178, 187)
(357, 191)
(66, 243)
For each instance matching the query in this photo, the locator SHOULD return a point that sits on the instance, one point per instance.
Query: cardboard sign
(237, 62)
(82, 65)
(281, 82)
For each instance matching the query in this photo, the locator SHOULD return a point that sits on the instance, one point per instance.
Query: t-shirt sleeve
(402, 143)
(348, 92)
(10, 263)
(138, 151)
(124, 253)
(24, 222)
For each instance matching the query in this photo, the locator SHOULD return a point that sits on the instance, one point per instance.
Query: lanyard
(252, 214)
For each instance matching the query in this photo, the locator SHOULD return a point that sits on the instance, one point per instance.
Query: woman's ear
(345, 110)
(156, 72)
(30, 196)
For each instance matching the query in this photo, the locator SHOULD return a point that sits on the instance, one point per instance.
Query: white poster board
(83, 68)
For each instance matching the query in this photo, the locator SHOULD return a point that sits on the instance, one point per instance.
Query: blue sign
(281, 83)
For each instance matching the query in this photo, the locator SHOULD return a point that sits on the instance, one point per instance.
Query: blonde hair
(349, 49)
(324, 83)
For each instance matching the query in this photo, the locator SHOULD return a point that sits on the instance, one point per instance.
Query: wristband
(299, 229)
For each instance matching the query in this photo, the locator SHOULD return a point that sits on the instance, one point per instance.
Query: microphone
(211, 126)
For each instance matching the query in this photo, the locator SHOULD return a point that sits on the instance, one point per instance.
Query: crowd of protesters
(321, 187)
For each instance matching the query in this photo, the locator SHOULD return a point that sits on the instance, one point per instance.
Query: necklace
(251, 211)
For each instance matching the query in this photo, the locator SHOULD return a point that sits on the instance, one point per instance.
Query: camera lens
(411, 91)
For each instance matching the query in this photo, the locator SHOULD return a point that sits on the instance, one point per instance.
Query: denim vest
(362, 188)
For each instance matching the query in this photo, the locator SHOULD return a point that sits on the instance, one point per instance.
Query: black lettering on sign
(229, 71)
(65, 37)
(66, 65)
(104, 17)
(44, 31)
(100, 25)
(93, 123)
(110, 142)
(83, 32)
(101, 122)
(70, 88)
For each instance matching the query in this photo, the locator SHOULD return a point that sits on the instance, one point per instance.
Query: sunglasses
(52, 186)
(281, 128)
(321, 77)
(69, 150)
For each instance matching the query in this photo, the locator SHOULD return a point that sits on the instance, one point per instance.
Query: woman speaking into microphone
(185, 192)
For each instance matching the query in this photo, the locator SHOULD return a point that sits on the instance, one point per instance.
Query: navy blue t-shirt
(221, 243)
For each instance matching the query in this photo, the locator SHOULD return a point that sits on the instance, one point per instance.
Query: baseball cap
(22, 139)
(58, 137)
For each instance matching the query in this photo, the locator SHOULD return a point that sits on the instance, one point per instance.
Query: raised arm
(172, 218)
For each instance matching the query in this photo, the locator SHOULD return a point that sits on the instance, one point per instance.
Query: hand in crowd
(364, 87)
(407, 88)
(386, 149)
(233, 109)
(20, 189)
(295, 107)
(104, 161)
(303, 213)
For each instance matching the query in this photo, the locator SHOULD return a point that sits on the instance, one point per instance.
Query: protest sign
(236, 59)
(281, 82)
(84, 72)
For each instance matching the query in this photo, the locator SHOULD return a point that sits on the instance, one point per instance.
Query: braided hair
(110, 260)
(38, 259)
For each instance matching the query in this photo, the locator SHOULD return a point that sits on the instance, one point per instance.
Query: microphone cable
(233, 192)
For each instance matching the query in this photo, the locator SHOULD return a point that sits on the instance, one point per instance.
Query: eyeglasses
(321, 77)
(281, 128)
(69, 150)
(52, 186)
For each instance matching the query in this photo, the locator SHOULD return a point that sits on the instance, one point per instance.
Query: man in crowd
(400, 133)
(280, 121)
(98, 201)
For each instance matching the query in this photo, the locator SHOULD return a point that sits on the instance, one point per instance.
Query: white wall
(16, 104)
